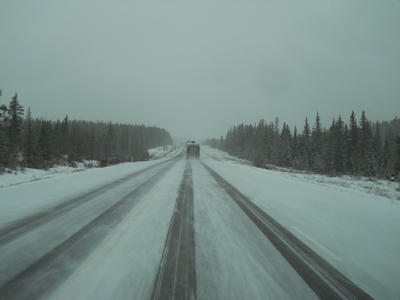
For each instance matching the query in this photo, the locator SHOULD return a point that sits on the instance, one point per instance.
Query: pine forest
(37, 143)
(359, 147)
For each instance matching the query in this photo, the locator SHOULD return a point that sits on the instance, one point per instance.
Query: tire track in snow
(42, 276)
(176, 277)
(325, 280)
(23, 226)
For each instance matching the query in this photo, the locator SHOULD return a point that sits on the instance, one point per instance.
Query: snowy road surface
(194, 229)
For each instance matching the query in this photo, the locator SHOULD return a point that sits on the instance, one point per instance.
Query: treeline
(41, 144)
(357, 148)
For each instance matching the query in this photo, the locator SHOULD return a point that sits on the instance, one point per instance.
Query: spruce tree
(3, 143)
(385, 158)
(353, 157)
(29, 153)
(305, 147)
(3, 110)
(295, 147)
(285, 147)
(249, 142)
(222, 144)
(46, 146)
(368, 162)
(269, 142)
(259, 144)
(241, 139)
(14, 119)
(396, 169)
(339, 146)
(64, 137)
(110, 147)
(316, 145)
(275, 146)
(377, 149)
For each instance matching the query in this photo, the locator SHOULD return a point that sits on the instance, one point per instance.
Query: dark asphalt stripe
(326, 281)
(176, 277)
(52, 269)
(20, 227)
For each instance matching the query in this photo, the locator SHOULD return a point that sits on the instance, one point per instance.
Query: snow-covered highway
(185, 229)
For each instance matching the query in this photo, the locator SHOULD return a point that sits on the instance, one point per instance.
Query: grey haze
(198, 67)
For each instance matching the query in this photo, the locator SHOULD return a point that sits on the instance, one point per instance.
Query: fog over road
(172, 229)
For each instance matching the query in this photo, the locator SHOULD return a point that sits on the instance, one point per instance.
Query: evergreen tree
(377, 149)
(392, 149)
(124, 144)
(258, 144)
(386, 158)
(305, 147)
(269, 139)
(110, 147)
(368, 159)
(295, 147)
(14, 119)
(3, 110)
(3, 152)
(64, 140)
(46, 146)
(29, 153)
(316, 145)
(353, 158)
(338, 145)
(275, 142)
(3, 143)
(222, 146)
(396, 169)
(285, 147)
(44, 143)
(249, 142)
(342, 149)
(241, 140)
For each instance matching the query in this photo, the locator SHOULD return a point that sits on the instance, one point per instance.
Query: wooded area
(358, 148)
(41, 144)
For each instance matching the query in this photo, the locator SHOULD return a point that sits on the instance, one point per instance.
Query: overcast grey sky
(198, 67)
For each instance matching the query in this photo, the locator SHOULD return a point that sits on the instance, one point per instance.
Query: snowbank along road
(167, 229)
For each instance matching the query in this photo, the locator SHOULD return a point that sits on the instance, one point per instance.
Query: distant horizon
(183, 138)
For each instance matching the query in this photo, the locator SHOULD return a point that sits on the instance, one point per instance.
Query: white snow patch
(26, 193)
(20, 176)
(351, 218)
(162, 151)
(26, 175)
(359, 184)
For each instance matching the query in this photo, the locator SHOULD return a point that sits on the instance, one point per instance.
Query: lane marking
(318, 244)
(103, 250)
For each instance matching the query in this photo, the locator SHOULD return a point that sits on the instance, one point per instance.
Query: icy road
(195, 229)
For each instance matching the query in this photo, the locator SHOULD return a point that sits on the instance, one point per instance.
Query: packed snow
(162, 151)
(16, 177)
(353, 227)
(358, 184)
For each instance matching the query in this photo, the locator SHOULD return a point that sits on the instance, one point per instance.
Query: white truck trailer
(192, 149)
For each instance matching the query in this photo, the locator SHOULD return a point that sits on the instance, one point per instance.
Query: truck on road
(192, 149)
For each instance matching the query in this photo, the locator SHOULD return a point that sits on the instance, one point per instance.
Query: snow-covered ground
(162, 151)
(35, 190)
(357, 184)
(350, 222)
(354, 228)
(29, 175)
